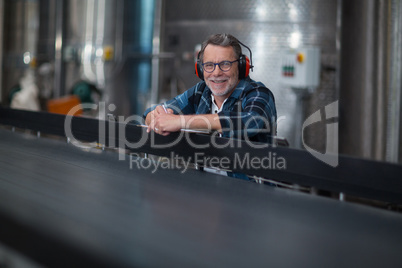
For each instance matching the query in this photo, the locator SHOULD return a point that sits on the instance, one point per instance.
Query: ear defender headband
(244, 64)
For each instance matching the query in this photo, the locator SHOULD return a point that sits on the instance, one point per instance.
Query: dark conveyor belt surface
(65, 206)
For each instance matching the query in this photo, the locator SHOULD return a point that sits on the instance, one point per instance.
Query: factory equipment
(109, 211)
(106, 44)
(300, 71)
(300, 68)
(19, 24)
(68, 206)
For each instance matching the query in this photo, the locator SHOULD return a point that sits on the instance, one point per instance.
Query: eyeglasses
(225, 66)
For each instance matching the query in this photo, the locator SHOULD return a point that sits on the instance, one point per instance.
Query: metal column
(1, 47)
(58, 72)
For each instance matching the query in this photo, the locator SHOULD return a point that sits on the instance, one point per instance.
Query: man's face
(221, 83)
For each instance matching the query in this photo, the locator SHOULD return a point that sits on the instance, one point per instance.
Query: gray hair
(224, 40)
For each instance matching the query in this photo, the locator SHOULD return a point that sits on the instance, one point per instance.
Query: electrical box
(300, 68)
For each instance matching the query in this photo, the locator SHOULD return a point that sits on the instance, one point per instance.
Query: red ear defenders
(244, 65)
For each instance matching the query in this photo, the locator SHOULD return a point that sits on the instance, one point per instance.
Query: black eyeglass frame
(219, 64)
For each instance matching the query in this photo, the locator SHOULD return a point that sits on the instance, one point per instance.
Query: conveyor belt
(67, 207)
(352, 176)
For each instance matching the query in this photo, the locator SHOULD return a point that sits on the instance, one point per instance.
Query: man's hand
(163, 123)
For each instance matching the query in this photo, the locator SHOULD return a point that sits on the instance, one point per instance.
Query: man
(227, 101)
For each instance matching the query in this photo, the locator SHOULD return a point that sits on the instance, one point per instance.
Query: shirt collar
(215, 108)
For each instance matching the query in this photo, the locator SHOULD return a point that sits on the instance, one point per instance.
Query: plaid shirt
(249, 112)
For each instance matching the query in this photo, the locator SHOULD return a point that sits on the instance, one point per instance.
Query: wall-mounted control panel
(300, 68)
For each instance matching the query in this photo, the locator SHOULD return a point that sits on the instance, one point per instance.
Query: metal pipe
(155, 51)
(362, 93)
(394, 112)
(58, 89)
(118, 47)
(1, 47)
(338, 41)
(88, 50)
(381, 83)
(99, 39)
(367, 92)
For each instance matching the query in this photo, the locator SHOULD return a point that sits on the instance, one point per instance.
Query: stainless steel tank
(109, 44)
(106, 43)
(20, 22)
